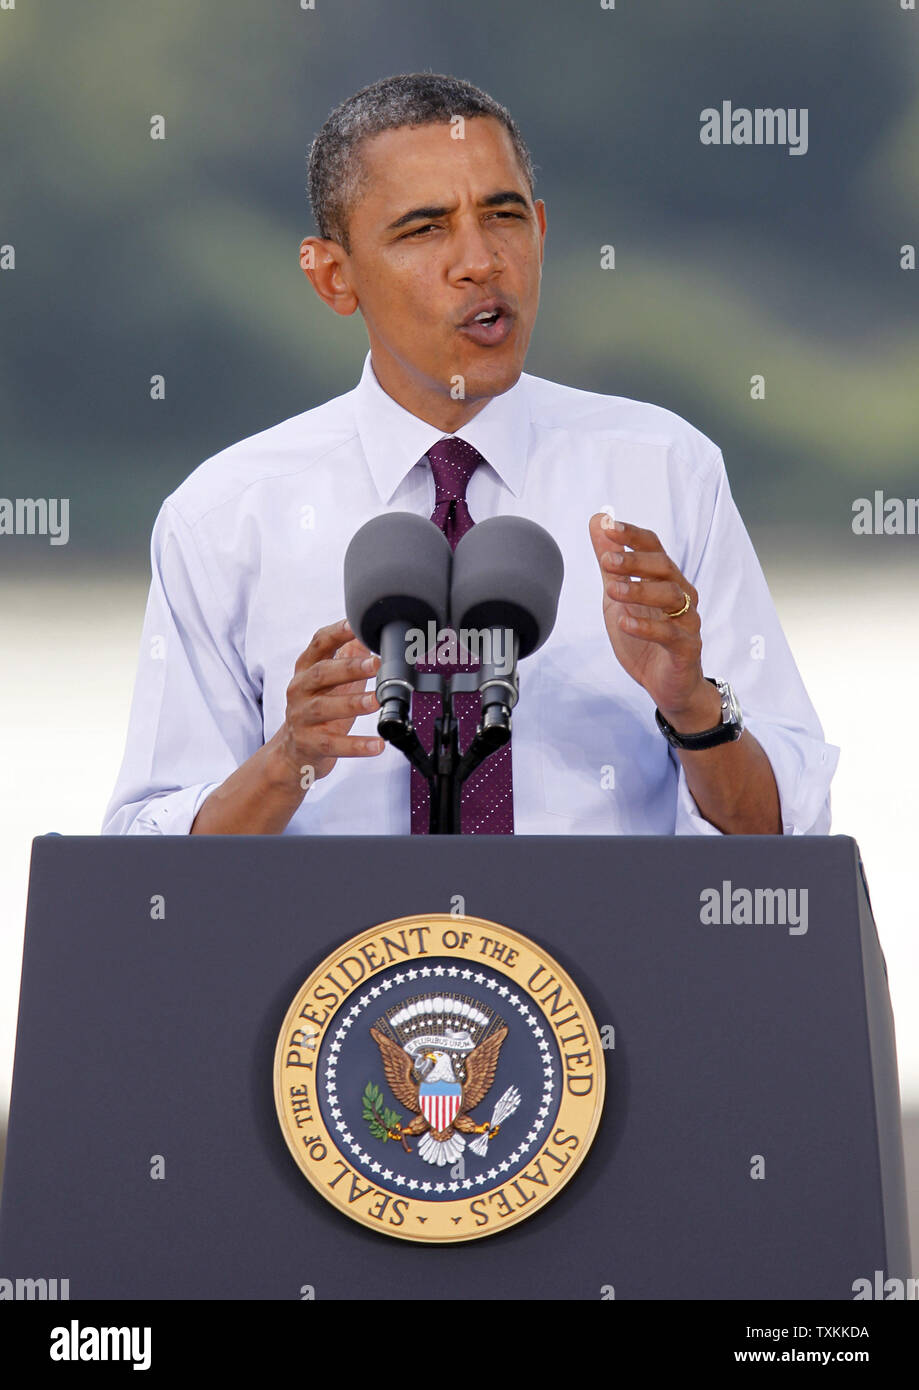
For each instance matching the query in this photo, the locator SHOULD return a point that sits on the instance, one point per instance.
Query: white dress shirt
(247, 563)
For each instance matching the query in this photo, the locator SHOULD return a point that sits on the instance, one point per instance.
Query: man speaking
(666, 699)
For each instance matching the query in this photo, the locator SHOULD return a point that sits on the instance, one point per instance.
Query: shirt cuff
(803, 768)
(172, 813)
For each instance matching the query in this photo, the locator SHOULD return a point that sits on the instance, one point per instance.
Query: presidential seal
(439, 1078)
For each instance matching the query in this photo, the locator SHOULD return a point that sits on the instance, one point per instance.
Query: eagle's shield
(440, 1102)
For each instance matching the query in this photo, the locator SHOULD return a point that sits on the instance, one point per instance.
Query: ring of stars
(511, 999)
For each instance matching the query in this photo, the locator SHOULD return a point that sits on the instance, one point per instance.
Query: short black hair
(408, 99)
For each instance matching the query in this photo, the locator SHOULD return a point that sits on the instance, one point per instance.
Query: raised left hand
(641, 585)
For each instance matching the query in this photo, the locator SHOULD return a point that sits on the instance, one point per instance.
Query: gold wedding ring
(680, 611)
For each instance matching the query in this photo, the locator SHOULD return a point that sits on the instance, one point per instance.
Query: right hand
(327, 693)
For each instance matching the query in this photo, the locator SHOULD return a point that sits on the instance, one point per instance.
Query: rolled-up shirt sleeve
(195, 716)
(743, 643)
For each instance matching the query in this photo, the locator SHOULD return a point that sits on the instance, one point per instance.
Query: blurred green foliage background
(136, 257)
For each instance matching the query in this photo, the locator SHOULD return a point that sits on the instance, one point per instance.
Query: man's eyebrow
(429, 214)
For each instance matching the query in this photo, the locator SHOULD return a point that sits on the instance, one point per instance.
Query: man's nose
(475, 256)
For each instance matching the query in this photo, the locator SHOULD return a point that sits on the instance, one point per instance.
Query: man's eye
(419, 231)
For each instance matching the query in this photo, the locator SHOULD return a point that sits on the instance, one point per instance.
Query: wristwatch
(730, 728)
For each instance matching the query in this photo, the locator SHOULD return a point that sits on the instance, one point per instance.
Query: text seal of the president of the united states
(439, 1078)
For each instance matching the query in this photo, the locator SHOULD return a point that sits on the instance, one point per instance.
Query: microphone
(507, 577)
(397, 576)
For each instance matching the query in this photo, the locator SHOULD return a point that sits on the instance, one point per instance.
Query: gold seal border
(384, 1207)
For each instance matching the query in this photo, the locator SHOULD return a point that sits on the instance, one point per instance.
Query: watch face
(729, 728)
(731, 715)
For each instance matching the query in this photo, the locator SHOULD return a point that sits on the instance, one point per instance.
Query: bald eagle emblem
(440, 1055)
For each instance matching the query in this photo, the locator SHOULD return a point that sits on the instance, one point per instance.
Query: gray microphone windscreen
(507, 572)
(397, 568)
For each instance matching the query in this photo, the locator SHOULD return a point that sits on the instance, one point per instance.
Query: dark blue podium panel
(750, 1143)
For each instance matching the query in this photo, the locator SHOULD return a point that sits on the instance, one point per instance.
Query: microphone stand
(445, 769)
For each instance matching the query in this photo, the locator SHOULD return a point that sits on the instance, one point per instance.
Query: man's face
(443, 227)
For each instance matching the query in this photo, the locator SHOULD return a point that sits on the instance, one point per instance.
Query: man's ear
(540, 208)
(325, 263)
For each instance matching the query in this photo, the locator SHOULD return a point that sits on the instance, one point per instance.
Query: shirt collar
(394, 440)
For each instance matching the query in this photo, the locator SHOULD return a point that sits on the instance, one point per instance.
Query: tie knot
(453, 463)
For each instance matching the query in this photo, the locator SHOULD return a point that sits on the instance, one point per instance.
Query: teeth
(485, 314)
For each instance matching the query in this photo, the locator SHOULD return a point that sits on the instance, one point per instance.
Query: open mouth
(490, 327)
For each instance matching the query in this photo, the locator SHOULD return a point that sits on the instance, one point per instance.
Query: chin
(492, 378)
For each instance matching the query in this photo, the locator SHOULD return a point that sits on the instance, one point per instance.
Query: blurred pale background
(136, 257)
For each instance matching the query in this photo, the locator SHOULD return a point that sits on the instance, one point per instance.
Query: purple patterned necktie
(487, 806)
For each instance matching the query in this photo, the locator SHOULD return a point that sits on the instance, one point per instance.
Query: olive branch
(380, 1119)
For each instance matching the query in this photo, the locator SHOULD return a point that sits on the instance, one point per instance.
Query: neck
(429, 403)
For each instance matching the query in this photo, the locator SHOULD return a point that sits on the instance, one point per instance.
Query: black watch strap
(730, 728)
